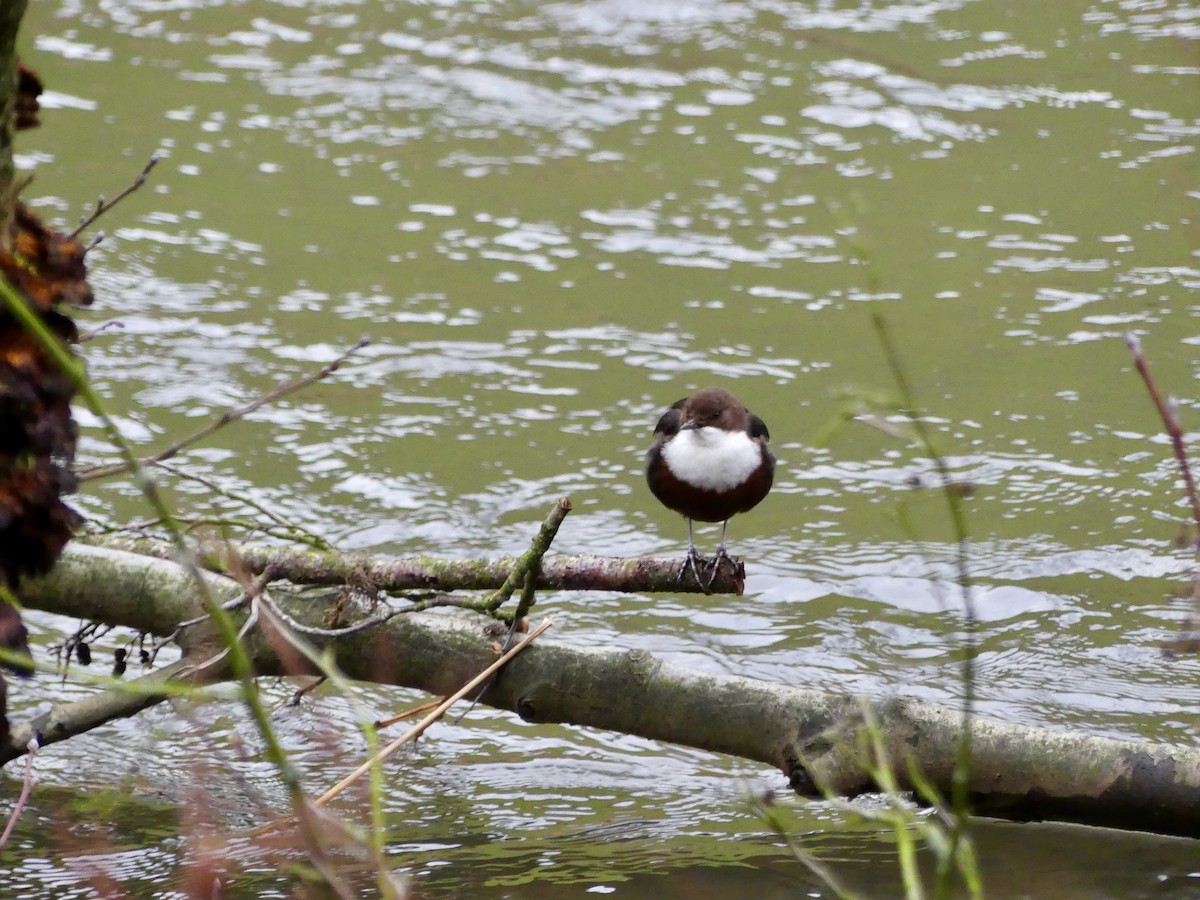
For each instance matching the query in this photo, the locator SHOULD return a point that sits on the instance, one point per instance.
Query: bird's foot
(694, 563)
(722, 556)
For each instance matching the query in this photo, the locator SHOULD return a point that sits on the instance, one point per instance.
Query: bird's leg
(691, 562)
(722, 553)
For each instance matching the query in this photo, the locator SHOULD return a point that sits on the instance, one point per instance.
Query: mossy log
(814, 737)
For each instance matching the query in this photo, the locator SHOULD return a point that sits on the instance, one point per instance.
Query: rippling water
(554, 220)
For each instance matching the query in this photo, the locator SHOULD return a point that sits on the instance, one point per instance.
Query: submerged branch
(66, 720)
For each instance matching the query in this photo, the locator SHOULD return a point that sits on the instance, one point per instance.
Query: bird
(709, 461)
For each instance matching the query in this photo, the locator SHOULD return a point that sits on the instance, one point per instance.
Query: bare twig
(300, 693)
(279, 391)
(369, 622)
(69, 646)
(26, 791)
(440, 710)
(107, 326)
(66, 720)
(179, 629)
(1168, 411)
(417, 730)
(102, 207)
(1170, 418)
(523, 606)
(292, 530)
(254, 592)
(408, 714)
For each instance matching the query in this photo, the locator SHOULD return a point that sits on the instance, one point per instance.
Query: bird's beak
(689, 425)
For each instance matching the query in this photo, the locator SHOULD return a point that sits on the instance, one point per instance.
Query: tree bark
(11, 13)
(643, 574)
(1017, 772)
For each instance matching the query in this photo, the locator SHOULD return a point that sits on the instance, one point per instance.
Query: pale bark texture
(813, 737)
(415, 573)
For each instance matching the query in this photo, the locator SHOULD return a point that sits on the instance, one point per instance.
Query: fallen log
(1018, 772)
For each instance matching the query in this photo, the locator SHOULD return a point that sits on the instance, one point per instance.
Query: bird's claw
(693, 563)
(721, 556)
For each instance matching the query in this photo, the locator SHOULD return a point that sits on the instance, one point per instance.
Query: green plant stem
(325, 665)
(531, 560)
(959, 797)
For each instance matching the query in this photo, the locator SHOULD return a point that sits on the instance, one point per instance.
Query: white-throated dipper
(709, 461)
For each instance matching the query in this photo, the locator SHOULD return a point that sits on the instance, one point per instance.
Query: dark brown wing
(757, 428)
(668, 424)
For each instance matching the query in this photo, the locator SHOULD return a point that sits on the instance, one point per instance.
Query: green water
(554, 220)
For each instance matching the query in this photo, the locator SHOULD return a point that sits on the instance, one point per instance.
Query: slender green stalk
(325, 665)
(531, 559)
(959, 797)
(770, 814)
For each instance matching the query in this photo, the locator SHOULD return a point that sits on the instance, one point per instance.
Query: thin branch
(530, 567)
(299, 694)
(182, 626)
(410, 713)
(531, 560)
(26, 791)
(291, 529)
(102, 207)
(417, 730)
(440, 710)
(276, 393)
(66, 648)
(1168, 411)
(121, 701)
(1170, 419)
(250, 622)
(369, 622)
(107, 326)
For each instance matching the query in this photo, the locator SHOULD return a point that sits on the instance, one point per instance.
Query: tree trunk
(814, 738)
(11, 13)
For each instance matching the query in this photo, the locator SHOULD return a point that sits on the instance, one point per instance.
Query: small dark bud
(83, 653)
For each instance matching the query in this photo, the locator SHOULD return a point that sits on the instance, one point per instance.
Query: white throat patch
(712, 458)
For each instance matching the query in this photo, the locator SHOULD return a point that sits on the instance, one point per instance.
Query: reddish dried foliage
(29, 88)
(37, 433)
